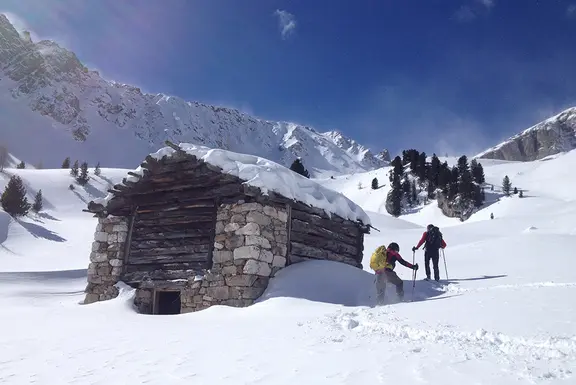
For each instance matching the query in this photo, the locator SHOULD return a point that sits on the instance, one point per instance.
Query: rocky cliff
(554, 135)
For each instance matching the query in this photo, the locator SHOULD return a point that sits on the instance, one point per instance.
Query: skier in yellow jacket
(384, 269)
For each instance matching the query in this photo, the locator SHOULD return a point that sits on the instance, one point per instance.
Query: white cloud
(465, 13)
(473, 10)
(487, 3)
(286, 22)
(571, 10)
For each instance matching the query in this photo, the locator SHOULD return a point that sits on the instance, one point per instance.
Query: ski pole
(445, 267)
(413, 275)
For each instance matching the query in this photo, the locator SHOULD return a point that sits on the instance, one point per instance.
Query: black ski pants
(433, 255)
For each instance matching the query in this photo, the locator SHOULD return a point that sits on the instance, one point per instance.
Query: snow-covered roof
(267, 176)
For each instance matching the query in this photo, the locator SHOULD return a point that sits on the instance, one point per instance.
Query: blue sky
(437, 75)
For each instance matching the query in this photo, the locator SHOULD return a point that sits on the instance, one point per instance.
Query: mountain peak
(90, 116)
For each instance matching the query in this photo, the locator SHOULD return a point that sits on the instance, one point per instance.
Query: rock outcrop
(456, 208)
(552, 136)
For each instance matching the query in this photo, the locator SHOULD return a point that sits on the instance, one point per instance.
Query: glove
(415, 267)
(414, 248)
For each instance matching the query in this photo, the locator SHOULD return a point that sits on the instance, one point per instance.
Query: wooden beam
(147, 243)
(307, 228)
(314, 252)
(325, 244)
(152, 234)
(128, 241)
(347, 228)
(169, 259)
(169, 252)
(184, 213)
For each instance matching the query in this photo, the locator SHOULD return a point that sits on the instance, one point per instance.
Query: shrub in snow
(71, 187)
(515, 190)
(38, 204)
(359, 185)
(13, 199)
(21, 165)
(521, 195)
(375, 184)
(97, 170)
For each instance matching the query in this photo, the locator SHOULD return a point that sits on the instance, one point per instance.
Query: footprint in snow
(351, 324)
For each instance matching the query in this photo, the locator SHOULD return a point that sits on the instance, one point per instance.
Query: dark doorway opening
(167, 302)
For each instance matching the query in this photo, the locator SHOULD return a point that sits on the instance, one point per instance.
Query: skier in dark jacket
(387, 274)
(433, 240)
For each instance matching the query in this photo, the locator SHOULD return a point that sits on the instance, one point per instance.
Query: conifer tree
(397, 169)
(422, 169)
(375, 184)
(477, 171)
(396, 197)
(521, 195)
(38, 203)
(97, 170)
(453, 184)
(407, 190)
(477, 195)
(414, 157)
(83, 178)
(430, 190)
(14, 200)
(21, 165)
(66, 163)
(434, 171)
(298, 167)
(506, 185)
(463, 165)
(515, 190)
(74, 169)
(444, 176)
(3, 157)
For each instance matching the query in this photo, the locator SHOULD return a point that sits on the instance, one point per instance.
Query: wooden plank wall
(315, 236)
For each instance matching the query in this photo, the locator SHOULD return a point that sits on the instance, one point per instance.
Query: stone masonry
(250, 247)
(106, 259)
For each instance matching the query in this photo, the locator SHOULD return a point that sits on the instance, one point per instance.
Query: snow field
(505, 316)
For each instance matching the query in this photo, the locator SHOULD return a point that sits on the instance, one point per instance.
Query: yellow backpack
(378, 258)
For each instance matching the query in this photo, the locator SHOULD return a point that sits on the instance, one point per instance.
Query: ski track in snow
(451, 288)
(518, 353)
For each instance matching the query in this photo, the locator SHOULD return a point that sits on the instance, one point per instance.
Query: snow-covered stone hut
(194, 227)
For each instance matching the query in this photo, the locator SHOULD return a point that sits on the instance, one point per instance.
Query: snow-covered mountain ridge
(46, 92)
(552, 136)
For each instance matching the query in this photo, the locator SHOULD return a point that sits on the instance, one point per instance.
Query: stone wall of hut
(250, 247)
(106, 259)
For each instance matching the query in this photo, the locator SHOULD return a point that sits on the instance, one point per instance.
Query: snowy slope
(60, 236)
(46, 92)
(552, 136)
(506, 316)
